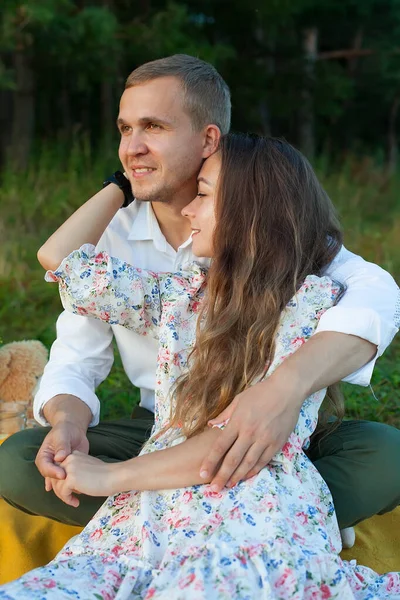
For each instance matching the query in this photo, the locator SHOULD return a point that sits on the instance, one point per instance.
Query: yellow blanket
(27, 542)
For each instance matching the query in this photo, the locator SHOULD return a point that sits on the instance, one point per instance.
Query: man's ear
(212, 135)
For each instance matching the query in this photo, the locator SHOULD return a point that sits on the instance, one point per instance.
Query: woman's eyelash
(200, 194)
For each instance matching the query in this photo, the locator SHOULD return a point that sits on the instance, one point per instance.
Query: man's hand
(261, 420)
(86, 475)
(61, 441)
(262, 417)
(69, 418)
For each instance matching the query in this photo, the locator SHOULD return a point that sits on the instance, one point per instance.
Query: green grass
(60, 178)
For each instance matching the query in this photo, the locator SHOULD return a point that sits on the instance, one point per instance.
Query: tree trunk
(65, 109)
(6, 103)
(23, 118)
(392, 145)
(306, 111)
(108, 108)
(357, 43)
(267, 63)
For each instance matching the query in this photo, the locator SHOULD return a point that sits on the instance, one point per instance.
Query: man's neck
(173, 225)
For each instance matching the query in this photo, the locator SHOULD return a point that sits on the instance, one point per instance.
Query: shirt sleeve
(97, 285)
(80, 359)
(369, 308)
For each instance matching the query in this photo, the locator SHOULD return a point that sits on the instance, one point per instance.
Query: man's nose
(136, 145)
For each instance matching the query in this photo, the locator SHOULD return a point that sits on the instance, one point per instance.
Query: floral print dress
(273, 537)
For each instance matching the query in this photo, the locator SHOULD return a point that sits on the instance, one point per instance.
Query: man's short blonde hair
(207, 96)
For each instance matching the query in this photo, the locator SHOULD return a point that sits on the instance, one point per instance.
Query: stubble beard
(166, 192)
(163, 195)
(152, 198)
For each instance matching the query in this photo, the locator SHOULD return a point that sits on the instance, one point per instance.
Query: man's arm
(80, 359)
(355, 332)
(369, 308)
(82, 355)
(69, 418)
(263, 416)
(182, 465)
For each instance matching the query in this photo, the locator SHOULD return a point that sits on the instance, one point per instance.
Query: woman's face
(201, 211)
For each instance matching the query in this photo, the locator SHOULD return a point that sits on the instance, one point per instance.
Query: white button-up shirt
(82, 355)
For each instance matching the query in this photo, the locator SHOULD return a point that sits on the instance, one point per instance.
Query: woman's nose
(188, 210)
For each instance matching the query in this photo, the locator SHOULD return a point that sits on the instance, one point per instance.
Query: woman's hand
(85, 475)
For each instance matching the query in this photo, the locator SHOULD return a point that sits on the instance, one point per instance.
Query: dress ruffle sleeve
(98, 285)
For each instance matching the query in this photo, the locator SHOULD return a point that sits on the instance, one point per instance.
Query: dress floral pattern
(273, 537)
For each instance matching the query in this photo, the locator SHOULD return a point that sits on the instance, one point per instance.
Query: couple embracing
(227, 278)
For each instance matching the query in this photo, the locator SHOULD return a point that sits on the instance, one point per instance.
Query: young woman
(269, 227)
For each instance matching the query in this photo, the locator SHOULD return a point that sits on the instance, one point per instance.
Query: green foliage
(74, 48)
(185, 36)
(82, 44)
(24, 20)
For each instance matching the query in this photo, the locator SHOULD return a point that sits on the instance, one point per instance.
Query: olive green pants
(360, 461)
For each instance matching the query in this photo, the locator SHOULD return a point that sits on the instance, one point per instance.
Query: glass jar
(12, 418)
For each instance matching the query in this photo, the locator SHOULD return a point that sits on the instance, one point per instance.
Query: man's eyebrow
(150, 119)
(145, 120)
(204, 180)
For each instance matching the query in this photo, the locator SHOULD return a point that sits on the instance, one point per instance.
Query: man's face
(160, 151)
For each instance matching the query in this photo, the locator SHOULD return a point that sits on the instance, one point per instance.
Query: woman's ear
(212, 135)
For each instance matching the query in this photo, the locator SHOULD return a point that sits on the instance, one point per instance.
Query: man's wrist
(67, 408)
(288, 384)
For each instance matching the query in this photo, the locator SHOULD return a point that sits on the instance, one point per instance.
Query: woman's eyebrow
(204, 180)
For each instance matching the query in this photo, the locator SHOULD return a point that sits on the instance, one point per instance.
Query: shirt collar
(145, 227)
(141, 227)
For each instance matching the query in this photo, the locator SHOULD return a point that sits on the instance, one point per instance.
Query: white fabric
(82, 355)
(368, 308)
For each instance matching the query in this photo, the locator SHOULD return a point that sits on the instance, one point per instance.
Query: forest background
(324, 75)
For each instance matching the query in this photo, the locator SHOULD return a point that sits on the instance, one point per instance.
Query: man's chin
(151, 193)
(150, 197)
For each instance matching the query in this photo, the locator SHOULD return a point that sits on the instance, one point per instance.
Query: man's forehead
(154, 98)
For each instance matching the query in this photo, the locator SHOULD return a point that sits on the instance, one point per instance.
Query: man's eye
(124, 128)
(153, 126)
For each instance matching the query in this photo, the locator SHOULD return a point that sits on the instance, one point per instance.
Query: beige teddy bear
(21, 365)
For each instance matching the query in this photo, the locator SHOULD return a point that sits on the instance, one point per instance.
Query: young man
(172, 114)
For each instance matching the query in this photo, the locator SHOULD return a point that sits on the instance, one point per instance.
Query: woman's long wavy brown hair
(275, 225)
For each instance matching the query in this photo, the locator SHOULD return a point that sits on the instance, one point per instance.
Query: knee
(378, 449)
(382, 441)
(17, 462)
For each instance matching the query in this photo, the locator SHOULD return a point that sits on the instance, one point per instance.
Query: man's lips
(138, 172)
(195, 231)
